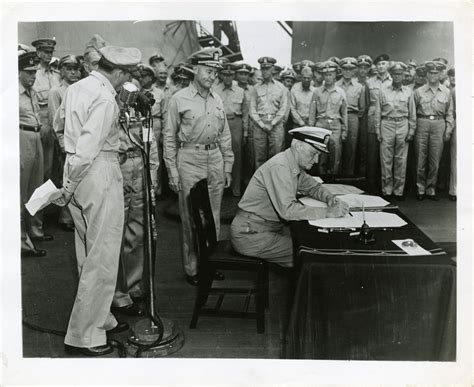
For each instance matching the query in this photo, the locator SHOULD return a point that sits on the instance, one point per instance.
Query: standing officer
(197, 145)
(374, 85)
(236, 107)
(328, 110)
(70, 73)
(300, 98)
(242, 75)
(434, 110)
(93, 187)
(288, 78)
(395, 124)
(364, 62)
(46, 79)
(355, 97)
(268, 109)
(31, 150)
(317, 75)
(297, 67)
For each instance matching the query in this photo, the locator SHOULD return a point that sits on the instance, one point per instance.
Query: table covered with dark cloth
(371, 302)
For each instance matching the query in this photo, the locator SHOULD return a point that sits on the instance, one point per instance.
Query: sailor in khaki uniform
(395, 125)
(374, 84)
(260, 227)
(197, 144)
(31, 150)
(46, 79)
(434, 110)
(268, 110)
(355, 97)
(236, 107)
(93, 188)
(328, 110)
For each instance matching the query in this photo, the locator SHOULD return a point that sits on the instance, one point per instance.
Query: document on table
(373, 219)
(42, 196)
(310, 202)
(411, 247)
(342, 189)
(369, 201)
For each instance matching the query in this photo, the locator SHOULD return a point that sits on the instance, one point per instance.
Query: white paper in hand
(42, 196)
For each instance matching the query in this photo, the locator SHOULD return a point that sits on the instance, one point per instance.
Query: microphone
(128, 94)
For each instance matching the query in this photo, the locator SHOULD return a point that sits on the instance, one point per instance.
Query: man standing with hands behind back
(93, 187)
(197, 145)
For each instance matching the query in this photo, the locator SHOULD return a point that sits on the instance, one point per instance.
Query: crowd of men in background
(217, 120)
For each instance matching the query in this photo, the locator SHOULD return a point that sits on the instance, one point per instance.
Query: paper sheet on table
(342, 189)
(411, 250)
(355, 201)
(42, 196)
(373, 219)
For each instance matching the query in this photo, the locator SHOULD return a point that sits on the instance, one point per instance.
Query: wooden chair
(218, 255)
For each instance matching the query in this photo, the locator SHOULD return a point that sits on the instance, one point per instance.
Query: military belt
(187, 145)
(396, 119)
(432, 117)
(29, 128)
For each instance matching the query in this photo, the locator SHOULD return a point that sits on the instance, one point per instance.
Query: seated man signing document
(259, 229)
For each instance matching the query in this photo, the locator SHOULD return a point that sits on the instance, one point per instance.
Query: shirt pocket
(442, 103)
(335, 100)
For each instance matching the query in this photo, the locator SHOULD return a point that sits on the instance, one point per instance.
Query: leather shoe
(420, 197)
(435, 197)
(42, 238)
(34, 253)
(120, 327)
(453, 198)
(218, 276)
(129, 310)
(192, 280)
(92, 351)
(68, 227)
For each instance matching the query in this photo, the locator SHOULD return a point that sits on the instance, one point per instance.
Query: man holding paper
(93, 187)
(259, 229)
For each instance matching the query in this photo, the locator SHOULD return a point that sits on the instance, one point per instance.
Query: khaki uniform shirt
(193, 119)
(29, 109)
(235, 103)
(271, 193)
(330, 104)
(355, 96)
(300, 102)
(374, 85)
(46, 79)
(91, 124)
(56, 95)
(396, 103)
(268, 103)
(435, 101)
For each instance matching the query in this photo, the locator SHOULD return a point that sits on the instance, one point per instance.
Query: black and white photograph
(237, 195)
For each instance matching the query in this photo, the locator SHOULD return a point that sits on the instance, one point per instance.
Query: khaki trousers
(47, 139)
(267, 145)
(255, 237)
(97, 209)
(31, 177)
(373, 154)
(330, 164)
(350, 145)
(193, 166)
(159, 142)
(393, 156)
(237, 135)
(453, 169)
(129, 280)
(428, 151)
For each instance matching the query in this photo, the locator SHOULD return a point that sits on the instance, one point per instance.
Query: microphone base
(144, 332)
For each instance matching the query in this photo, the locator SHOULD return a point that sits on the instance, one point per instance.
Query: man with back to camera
(93, 189)
(260, 227)
(268, 109)
(197, 145)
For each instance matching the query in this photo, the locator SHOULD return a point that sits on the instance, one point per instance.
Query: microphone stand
(152, 336)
